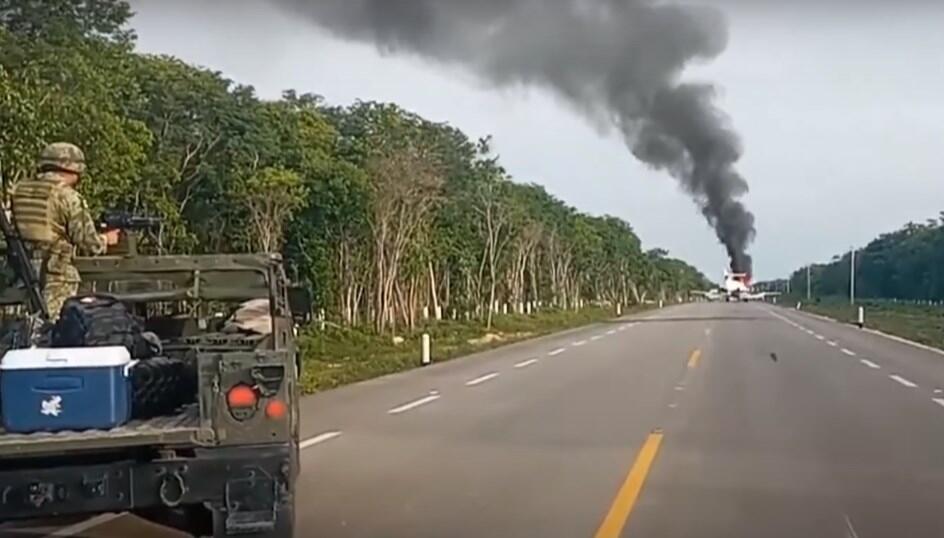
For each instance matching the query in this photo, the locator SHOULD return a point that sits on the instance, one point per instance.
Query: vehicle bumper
(250, 482)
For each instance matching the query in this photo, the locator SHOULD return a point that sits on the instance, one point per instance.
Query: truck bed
(166, 430)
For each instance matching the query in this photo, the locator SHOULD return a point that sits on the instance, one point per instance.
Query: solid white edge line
(939, 401)
(83, 526)
(414, 404)
(481, 379)
(903, 381)
(905, 341)
(870, 364)
(320, 438)
(525, 364)
(557, 351)
(898, 339)
(848, 352)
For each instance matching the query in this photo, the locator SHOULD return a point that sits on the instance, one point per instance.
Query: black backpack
(100, 320)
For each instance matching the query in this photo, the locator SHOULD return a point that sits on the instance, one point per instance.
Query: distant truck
(224, 463)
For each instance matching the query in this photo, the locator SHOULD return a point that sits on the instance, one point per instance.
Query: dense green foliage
(907, 264)
(379, 211)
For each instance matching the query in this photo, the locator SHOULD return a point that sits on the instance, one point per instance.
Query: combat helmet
(63, 157)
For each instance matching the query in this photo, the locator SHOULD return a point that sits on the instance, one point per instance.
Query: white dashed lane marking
(848, 352)
(557, 351)
(903, 381)
(525, 364)
(481, 379)
(318, 439)
(414, 404)
(870, 364)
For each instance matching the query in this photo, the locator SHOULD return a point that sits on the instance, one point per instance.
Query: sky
(838, 104)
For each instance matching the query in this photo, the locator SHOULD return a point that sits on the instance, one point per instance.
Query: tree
(904, 264)
(493, 223)
(379, 211)
(54, 20)
(272, 196)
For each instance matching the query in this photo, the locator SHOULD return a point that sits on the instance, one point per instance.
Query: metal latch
(95, 487)
(39, 493)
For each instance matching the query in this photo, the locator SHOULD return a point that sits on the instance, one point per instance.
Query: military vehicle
(225, 462)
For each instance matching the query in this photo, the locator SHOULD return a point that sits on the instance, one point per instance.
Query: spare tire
(100, 320)
(160, 386)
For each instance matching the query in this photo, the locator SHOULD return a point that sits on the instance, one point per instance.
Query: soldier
(54, 219)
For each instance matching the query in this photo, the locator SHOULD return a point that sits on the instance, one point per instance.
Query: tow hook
(173, 489)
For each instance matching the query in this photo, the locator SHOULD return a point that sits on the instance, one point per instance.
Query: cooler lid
(65, 357)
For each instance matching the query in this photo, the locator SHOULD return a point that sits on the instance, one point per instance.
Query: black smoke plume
(616, 61)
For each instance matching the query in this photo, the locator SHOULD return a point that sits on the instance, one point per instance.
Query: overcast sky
(840, 107)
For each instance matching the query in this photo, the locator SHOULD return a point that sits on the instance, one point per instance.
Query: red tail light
(242, 401)
(276, 410)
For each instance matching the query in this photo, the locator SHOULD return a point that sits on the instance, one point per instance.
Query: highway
(708, 420)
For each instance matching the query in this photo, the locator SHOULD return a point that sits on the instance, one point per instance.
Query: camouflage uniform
(55, 220)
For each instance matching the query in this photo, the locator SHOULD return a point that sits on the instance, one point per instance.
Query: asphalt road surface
(703, 420)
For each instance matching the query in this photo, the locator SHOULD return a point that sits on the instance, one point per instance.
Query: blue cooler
(53, 389)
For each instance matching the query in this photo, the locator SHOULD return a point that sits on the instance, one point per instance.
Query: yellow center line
(694, 358)
(626, 498)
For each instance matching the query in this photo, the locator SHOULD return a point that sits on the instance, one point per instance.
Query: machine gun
(127, 222)
(122, 220)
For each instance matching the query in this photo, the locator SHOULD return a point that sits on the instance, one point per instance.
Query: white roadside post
(426, 356)
(861, 321)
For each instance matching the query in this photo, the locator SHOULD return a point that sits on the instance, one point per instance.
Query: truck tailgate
(166, 430)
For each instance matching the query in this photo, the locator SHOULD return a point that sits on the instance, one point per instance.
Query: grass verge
(339, 356)
(919, 323)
